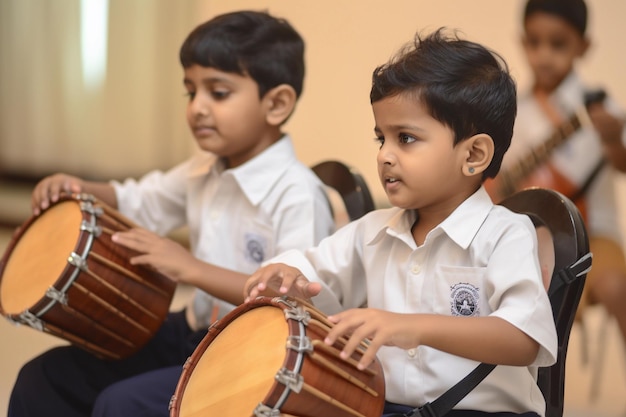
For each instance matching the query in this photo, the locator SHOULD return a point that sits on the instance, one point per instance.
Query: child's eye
(559, 44)
(220, 94)
(191, 95)
(532, 42)
(380, 140)
(404, 138)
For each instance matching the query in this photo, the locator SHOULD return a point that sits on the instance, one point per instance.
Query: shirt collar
(568, 93)
(257, 176)
(465, 222)
(461, 225)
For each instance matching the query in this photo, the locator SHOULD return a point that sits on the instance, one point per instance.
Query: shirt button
(411, 353)
(416, 269)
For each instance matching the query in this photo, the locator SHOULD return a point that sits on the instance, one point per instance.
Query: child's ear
(584, 46)
(478, 152)
(523, 40)
(279, 102)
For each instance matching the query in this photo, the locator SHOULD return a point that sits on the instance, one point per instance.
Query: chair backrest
(349, 184)
(572, 261)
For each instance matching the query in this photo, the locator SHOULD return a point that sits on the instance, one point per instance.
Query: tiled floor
(18, 344)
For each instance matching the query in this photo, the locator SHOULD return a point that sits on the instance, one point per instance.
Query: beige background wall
(348, 39)
(49, 122)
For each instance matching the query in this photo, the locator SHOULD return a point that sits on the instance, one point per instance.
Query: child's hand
(279, 279)
(164, 255)
(49, 189)
(609, 127)
(383, 328)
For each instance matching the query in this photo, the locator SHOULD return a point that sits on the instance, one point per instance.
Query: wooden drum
(62, 274)
(268, 358)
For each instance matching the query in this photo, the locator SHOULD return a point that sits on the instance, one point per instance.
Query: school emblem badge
(464, 300)
(255, 248)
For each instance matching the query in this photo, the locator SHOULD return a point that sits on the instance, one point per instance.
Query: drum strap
(446, 402)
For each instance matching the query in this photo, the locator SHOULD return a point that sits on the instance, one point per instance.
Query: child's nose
(385, 155)
(199, 106)
(545, 52)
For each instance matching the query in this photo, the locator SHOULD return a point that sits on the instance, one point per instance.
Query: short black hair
(266, 48)
(464, 85)
(572, 11)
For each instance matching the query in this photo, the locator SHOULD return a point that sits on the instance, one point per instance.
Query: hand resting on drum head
(280, 279)
(50, 190)
(156, 252)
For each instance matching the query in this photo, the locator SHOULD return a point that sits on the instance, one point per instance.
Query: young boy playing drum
(449, 279)
(246, 199)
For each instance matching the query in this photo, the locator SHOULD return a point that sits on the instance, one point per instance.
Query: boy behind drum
(246, 199)
(449, 279)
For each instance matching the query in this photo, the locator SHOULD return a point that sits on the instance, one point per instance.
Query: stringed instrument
(533, 170)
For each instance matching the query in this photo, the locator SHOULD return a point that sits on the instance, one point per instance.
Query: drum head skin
(268, 356)
(246, 373)
(39, 256)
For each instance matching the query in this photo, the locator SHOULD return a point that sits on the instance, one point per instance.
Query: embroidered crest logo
(464, 300)
(255, 248)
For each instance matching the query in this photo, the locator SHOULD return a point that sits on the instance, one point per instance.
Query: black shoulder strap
(444, 403)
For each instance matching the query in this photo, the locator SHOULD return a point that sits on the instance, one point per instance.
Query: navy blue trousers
(70, 382)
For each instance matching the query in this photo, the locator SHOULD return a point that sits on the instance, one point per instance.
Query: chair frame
(572, 262)
(350, 185)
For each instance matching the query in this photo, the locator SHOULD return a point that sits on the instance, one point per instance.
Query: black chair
(572, 261)
(349, 184)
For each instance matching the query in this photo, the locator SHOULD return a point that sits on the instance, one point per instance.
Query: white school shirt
(576, 157)
(237, 218)
(480, 261)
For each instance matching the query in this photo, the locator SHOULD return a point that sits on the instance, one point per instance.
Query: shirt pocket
(255, 243)
(460, 291)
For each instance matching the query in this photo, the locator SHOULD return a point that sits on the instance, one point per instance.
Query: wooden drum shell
(91, 295)
(236, 370)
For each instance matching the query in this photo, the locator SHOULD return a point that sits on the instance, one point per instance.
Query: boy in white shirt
(246, 199)
(585, 162)
(445, 279)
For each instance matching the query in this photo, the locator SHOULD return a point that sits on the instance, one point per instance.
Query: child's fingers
(343, 326)
(252, 287)
(40, 199)
(368, 357)
(309, 289)
(62, 184)
(137, 239)
(353, 323)
(49, 190)
(140, 260)
(258, 282)
(276, 277)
